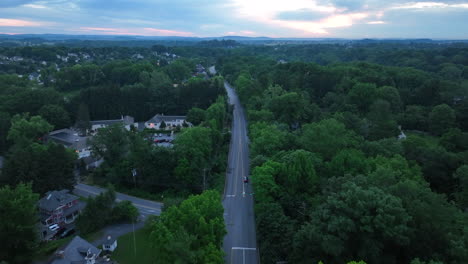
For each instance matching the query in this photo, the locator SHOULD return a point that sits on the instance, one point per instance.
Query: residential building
(127, 121)
(59, 207)
(110, 244)
(79, 251)
(71, 139)
(171, 122)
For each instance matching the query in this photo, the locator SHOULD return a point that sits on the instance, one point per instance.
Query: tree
(327, 137)
(48, 167)
(441, 118)
(196, 116)
(124, 211)
(82, 118)
(192, 232)
(266, 139)
(98, 212)
(18, 228)
(55, 115)
(375, 225)
(194, 148)
(383, 124)
(362, 95)
(111, 143)
(24, 130)
(162, 125)
(461, 174)
(5, 123)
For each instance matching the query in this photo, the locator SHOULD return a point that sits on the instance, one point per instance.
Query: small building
(110, 244)
(59, 207)
(79, 251)
(171, 122)
(127, 121)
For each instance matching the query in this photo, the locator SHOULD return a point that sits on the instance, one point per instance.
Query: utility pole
(134, 174)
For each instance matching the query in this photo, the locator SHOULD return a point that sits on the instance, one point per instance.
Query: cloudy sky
(210, 18)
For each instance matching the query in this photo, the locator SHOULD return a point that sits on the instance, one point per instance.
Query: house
(170, 121)
(59, 207)
(79, 251)
(127, 121)
(110, 244)
(71, 139)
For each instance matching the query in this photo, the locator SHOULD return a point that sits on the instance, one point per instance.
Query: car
(54, 227)
(245, 179)
(67, 232)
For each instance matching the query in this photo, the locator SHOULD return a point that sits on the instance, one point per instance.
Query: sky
(447, 19)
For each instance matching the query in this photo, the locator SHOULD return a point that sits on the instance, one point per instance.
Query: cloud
(379, 22)
(300, 15)
(35, 6)
(5, 22)
(14, 3)
(135, 31)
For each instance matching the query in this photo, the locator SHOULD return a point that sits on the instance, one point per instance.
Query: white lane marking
(231, 195)
(243, 248)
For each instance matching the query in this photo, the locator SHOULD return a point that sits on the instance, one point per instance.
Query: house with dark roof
(171, 122)
(72, 140)
(127, 121)
(59, 207)
(79, 251)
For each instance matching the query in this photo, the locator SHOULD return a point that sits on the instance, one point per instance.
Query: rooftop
(76, 252)
(158, 118)
(54, 199)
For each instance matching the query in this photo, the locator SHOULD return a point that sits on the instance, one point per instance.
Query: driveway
(116, 231)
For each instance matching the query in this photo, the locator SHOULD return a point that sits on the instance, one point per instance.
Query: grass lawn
(125, 254)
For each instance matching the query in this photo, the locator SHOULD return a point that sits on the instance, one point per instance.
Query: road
(240, 243)
(145, 207)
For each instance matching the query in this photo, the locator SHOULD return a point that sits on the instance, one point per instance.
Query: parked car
(54, 227)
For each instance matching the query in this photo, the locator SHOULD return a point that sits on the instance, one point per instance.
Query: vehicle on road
(245, 179)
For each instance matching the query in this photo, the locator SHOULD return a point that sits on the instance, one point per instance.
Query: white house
(170, 121)
(110, 244)
(128, 121)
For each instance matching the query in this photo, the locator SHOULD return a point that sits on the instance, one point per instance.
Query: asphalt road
(145, 207)
(240, 243)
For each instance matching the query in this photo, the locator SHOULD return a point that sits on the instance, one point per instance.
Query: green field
(125, 252)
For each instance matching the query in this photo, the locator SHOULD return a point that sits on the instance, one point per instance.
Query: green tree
(376, 224)
(24, 130)
(461, 174)
(192, 232)
(441, 118)
(383, 124)
(98, 212)
(196, 116)
(194, 148)
(124, 211)
(327, 138)
(266, 139)
(111, 143)
(82, 118)
(18, 228)
(362, 95)
(5, 123)
(55, 115)
(48, 167)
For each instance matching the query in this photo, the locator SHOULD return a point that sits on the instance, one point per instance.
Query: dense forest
(358, 160)
(359, 151)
